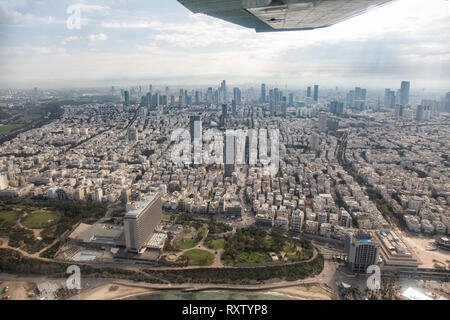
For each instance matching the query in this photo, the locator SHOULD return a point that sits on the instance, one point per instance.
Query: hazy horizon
(135, 41)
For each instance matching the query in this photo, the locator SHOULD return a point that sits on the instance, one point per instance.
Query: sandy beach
(111, 292)
(114, 291)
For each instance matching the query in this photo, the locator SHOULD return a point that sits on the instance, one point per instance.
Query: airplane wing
(282, 15)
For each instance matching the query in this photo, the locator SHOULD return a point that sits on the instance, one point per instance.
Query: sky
(161, 42)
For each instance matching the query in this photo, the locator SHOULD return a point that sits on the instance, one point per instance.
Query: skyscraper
(127, 97)
(276, 96)
(195, 127)
(230, 153)
(308, 92)
(223, 88)
(316, 93)
(237, 95)
(291, 99)
(224, 111)
(420, 115)
(263, 93)
(404, 93)
(197, 97)
(323, 122)
(362, 252)
(155, 102)
(141, 220)
(389, 98)
(337, 108)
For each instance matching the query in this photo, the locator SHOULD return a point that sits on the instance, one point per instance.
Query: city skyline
(132, 41)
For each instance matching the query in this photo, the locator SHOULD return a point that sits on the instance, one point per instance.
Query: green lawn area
(253, 257)
(40, 220)
(215, 244)
(32, 116)
(9, 128)
(199, 257)
(201, 232)
(184, 243)
(7, 217)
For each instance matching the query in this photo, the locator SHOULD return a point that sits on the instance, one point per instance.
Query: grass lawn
(9, 128)
(201, 232)
(216, 244)
(7, 217)
(184, 243)
(32, 116)
(199, 257)
(253, 257)
(40, 220)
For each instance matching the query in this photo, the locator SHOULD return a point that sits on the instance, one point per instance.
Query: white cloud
(92, 7)
(97, 37)
(13, 17)
(69, 39)
(406, 38)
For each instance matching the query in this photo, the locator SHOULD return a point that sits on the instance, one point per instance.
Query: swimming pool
(85, 257)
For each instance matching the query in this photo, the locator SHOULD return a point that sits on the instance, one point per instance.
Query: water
(208, 295)
(85, 257)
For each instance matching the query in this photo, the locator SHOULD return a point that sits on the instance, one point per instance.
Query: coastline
(116, 291)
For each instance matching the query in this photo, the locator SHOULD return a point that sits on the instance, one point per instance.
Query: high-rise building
(125, 195)
(126, 95)
(316, 93)
(362, 251)
(230, 153)
(291, 99)
(155, 100)
(308, 92)
(132, 134)
(337, 108)
(323, 122)
(276, 97)
(346, 219)
(389, 98)
(233, 108)
(224, 111)
(314, 142)
(195, 127)
(297, 221)
(404, 93)
(263, 93)
(197, 97)
(423, 113)
(223, 88)
(284, 106)
(237, 95)
(141, 220)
